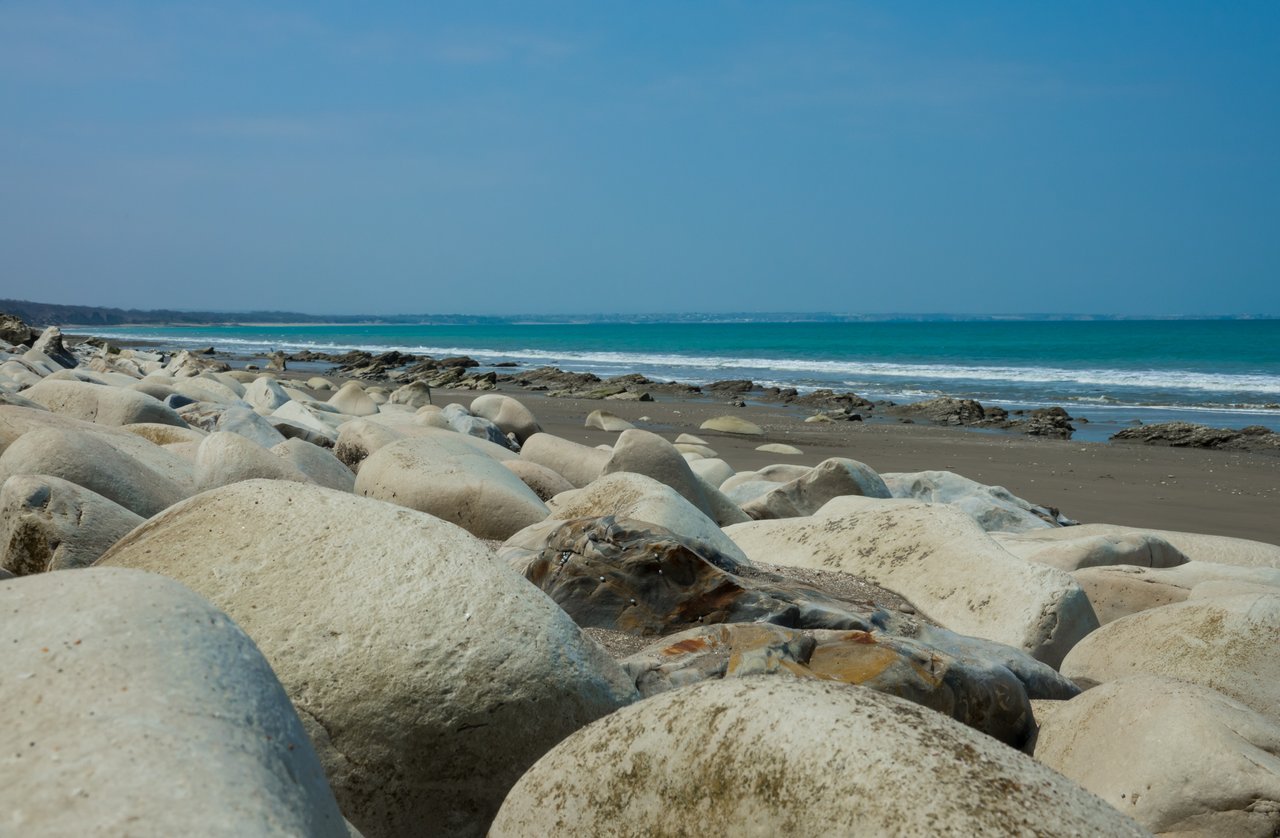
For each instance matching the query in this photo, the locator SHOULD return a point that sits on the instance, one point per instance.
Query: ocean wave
(809, 372)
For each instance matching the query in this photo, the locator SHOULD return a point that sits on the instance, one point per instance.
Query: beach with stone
(394, 596)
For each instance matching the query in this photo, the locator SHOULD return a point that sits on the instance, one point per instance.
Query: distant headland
(77, 315)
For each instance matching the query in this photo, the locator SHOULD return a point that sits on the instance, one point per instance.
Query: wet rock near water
(1255, 438)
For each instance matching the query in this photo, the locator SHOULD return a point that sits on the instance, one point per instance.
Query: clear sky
(654, 157)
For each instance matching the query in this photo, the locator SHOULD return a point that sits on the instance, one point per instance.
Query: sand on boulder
(1227, 644)
(770, 756)
(732, 425)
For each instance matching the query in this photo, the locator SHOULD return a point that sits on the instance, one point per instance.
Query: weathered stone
(107, 466)
(429, 675)
(732, 425)
(225, 458)
(164, 434)
(832, 478)
(461, 420)
(995, 508)
(1066, 553)
(50, 344)
(249, 424)
(747, 756)
(780, 448)
(47, 523)
(1226, 644)
(544, 482)
(352, 400)
(100, 404)
(265, 394)
(317, 464)
(986, 697)
(447, 478)
(628, 495)
(939, 559)
(1181, 759)
(415, 394)
(605, 421)
(642, 452)
(509, 415)
(712, 469)
(578, 464)
(139, 709)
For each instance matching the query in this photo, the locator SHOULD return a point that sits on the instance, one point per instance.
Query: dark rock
(177, 400)
(458, 361)
(975, 692)
(1051, 422)
(947, 411)
(735, 385)
(505, 364)
(639, 578)
(1189, 435)
(15, 331)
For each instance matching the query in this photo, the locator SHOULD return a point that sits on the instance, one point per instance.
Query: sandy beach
(1212, 492)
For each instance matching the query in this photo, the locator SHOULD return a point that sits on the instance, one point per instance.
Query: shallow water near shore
(1217, 372)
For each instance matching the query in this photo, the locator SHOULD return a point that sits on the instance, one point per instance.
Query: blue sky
(655, 157)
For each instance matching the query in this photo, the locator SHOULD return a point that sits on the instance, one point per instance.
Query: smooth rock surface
(732, 425)
(605, 421)
(509, 415)
(225, 458)
(995, 508)
(579, 464)
(449, 479)
(1179, 758)
(429, 675)
(101, 404)
(1227, 644)
(317, 464)
(137, 708)
(642, 452)
(832, 478)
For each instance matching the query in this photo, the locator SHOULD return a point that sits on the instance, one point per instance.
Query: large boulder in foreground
(942, 561)
(451, 480)
(1179, 758)
(1228, 644)
(137, 708)
(429, 675)
(101, 404)
(47, 523)
(771, 756)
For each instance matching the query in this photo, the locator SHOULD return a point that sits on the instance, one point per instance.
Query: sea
(1114, 373)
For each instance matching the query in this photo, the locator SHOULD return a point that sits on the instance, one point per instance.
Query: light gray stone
(942, 561)
(225, 458)
(101, 404)
(1226, 644)
(832, 478)
(47, 523)
(318, 464)
(352, 400)
(1181, 759)
(579, 464)
(509, 415)
(137, 708)
(429, 675)
(445, 477)
(995, 508)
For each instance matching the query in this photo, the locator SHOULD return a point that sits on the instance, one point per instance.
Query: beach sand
(1214, 492)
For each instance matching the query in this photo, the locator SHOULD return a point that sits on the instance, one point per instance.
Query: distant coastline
(43, 314)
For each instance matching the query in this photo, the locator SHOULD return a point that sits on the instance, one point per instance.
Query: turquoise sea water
(1223, 372)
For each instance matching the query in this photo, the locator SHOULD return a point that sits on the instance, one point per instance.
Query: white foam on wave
(702, 369)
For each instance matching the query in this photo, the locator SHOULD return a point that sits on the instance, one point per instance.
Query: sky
(1098, 157)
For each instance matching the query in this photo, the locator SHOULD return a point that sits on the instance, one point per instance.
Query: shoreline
(1231, 493)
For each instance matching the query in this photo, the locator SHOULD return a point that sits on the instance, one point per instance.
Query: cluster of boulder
(371, 614)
